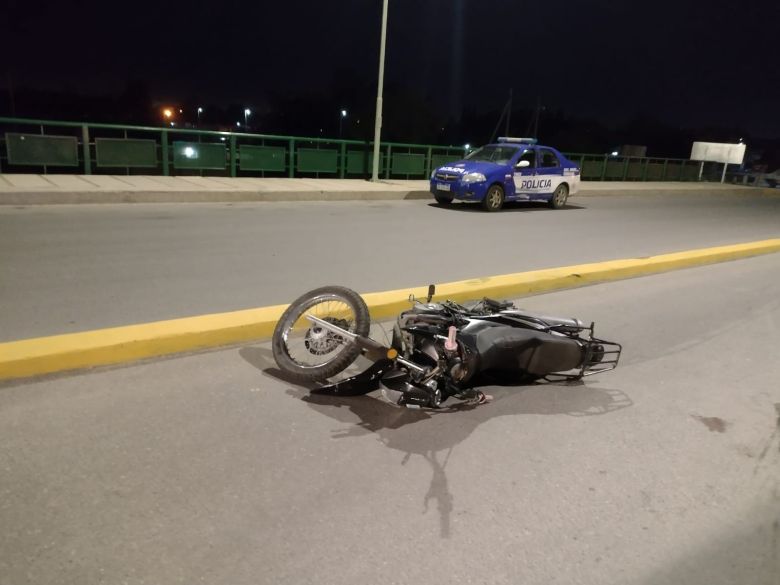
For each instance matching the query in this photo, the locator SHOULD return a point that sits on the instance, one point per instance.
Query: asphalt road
(209, 469)
(74, 268)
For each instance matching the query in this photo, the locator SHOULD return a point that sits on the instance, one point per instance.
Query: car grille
(447, 177)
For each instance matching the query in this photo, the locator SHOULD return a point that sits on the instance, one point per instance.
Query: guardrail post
(164, 142)
(85, 149)
(389, 160)
(429, 162)
(343, 170)
(45, 170)
(644, 171)
(604, 168)
(292, 158)
(232, 155)
(625, 167)
(663, 175)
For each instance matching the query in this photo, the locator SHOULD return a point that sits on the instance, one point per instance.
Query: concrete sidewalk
(25, 189)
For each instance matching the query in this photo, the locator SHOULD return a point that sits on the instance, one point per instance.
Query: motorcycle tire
(341, 359)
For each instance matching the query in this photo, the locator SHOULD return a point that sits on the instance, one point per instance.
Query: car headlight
(474, 178)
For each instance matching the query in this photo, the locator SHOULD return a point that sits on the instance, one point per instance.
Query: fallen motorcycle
(437, 349)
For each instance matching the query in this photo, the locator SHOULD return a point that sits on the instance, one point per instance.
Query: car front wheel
(494, 198)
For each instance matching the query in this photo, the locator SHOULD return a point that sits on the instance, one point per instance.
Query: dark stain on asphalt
(713, 423)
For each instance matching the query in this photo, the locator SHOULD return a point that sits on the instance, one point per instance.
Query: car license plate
(442, 187)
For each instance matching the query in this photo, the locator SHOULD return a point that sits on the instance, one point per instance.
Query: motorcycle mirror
(431, 292)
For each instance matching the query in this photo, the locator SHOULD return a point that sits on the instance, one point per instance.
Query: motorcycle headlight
(474, 178)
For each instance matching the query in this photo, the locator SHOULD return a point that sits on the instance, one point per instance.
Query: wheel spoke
(309, 345)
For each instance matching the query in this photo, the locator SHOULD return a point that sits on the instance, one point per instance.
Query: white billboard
(721, 152)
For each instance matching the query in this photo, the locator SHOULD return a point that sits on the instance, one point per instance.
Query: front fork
(373, 349)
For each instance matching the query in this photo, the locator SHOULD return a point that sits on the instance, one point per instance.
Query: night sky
(685, 63)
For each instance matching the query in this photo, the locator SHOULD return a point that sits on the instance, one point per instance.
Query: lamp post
(200, 111)
(341, 120)
(378, 121)
(247, 113)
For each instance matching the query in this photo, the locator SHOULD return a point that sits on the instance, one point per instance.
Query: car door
(549, 173)
(523, 177)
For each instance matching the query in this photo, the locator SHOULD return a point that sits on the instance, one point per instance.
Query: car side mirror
(522, 164)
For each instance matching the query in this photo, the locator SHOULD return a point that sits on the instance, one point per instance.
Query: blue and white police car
(514, 169)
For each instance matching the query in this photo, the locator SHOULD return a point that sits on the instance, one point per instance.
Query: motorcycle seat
(552, 322)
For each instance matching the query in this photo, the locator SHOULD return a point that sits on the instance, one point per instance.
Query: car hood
(467, 166)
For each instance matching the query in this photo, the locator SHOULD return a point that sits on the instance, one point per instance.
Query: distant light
(181, 111)
(189, 152)
(222, 138)
(614, 153)
(173, 124)
(467, 146)
(167, 112)
(343, 113)
(247, 112)
(200, 110)
(238, 124)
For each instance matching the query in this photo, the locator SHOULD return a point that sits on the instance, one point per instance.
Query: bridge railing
(47, 146)
(35, 146)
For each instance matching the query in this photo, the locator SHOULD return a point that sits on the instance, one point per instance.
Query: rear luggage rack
(609, 352)
(600, 356)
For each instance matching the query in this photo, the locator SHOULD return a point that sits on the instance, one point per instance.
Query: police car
(514, 169)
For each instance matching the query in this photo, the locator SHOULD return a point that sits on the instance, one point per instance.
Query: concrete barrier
(71, 189)
(60, 353)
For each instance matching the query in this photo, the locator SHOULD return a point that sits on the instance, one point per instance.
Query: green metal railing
(31, 145)
(34, 145)
(605, 167)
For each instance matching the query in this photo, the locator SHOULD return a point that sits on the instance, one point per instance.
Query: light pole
(247, 113)
(200, 111)
(341, 119)
(378, 121)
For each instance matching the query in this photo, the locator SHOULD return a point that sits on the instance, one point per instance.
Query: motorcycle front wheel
(307, 352)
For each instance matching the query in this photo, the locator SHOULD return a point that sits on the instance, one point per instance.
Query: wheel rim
(494, 198)
(311, 346)
(560, 196)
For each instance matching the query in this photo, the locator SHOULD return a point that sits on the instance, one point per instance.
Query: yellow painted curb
(45, 355)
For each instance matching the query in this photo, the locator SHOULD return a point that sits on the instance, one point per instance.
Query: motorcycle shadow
(511, 397)
(509, 206)
(432, 434)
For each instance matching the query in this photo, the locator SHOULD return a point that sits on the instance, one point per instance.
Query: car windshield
(495, 154)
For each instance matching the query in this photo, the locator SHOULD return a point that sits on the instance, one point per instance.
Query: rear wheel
(494, 198)
(560, 196)
(307, 352)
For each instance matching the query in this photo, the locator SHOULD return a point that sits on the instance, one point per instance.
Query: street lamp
(200, 111)
(168, 113)
(341, 119)
(247, 113)
(378, 120)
